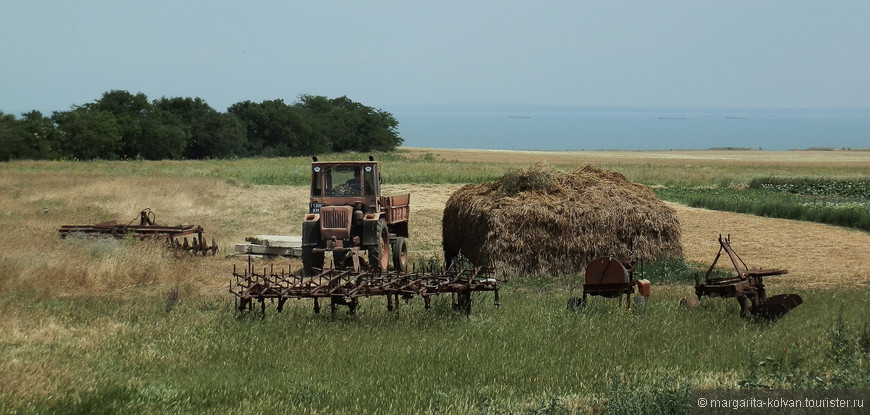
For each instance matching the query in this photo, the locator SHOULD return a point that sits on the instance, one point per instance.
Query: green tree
(212, 134)
(350, 126)
(44, 142)
(12, 137)
(129, 111)
(31, 137)
(88, 134)
(162, 135)
(218, 135)
(275, 128)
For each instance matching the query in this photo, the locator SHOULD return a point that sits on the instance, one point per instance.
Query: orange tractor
(347, 215)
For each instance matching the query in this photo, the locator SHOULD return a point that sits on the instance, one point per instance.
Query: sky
(387, 54)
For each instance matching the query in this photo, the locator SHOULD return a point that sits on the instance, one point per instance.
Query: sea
(560, 128)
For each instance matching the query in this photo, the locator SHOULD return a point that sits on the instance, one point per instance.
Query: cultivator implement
(747, 287)
(346, 287)
(175, 236)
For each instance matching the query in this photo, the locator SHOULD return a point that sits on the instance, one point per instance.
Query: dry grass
(33, 258)
(540, 219)
(36, 266)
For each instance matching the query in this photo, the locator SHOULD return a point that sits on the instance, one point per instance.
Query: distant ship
(519, 116)
(734, 118)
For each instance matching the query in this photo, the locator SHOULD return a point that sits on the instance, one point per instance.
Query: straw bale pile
(544, 220)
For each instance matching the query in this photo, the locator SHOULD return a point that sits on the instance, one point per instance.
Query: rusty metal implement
(608, 277)
(747, 287)
(346, 287)
(175, 236)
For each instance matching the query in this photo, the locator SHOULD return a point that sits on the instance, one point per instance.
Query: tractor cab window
(369, 181)
(343, 181)
(317, 181)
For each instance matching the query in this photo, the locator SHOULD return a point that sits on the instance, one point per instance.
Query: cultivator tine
(774, 307)
(345, 287)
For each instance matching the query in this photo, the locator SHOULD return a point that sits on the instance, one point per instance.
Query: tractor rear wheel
(379, 254)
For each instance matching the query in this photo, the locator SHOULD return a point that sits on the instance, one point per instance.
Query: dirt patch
(815, 255)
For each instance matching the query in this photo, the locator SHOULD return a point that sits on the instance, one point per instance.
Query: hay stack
(545, 220)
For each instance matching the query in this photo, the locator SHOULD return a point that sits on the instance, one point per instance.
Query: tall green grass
(530, 355)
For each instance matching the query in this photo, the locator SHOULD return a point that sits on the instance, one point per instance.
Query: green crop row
(839, 211)
(858, 188)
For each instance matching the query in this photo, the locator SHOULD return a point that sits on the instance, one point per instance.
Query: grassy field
(89, 326)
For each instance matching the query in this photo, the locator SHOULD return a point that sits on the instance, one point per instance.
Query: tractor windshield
(336, 181)
(343, 180)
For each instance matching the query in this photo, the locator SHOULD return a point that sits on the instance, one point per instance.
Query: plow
(344, 287)
(747, 287)
(148, 228)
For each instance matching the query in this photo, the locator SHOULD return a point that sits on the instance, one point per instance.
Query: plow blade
(774, 307)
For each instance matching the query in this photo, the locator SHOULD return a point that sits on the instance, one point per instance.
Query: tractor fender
(370, 231)
(311, 230)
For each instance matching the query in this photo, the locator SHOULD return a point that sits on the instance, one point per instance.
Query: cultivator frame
(345, 287)
(747, 287)
(175, 236)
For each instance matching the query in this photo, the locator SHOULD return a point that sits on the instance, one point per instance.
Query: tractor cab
(344, 184)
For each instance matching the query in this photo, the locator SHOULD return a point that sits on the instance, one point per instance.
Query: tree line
(121, 125)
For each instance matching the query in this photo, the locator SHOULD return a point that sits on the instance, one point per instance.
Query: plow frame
(747, 286)
(345, 287)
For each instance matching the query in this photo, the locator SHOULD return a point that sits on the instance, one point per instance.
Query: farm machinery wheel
(463, 302)
(311, 259)
(576, 303)
(339, 259)
(379, 254)
(400, 254)
(344, 260)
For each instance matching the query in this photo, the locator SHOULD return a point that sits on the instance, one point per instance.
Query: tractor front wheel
(400, 255)
(311, 259)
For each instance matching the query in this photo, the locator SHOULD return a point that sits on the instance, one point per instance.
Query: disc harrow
(346, 287)
(175, 236)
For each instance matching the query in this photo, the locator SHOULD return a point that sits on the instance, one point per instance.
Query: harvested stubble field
(86, 325)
